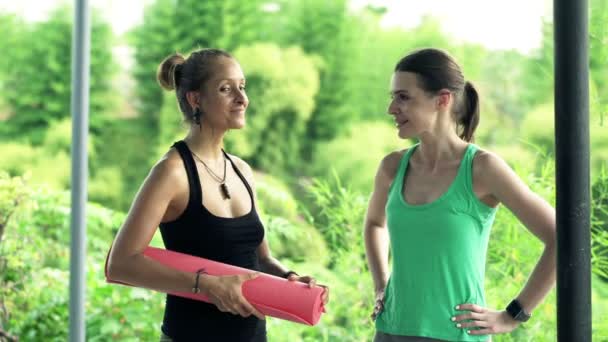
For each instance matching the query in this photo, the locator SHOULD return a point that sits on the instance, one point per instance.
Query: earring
(197, 116)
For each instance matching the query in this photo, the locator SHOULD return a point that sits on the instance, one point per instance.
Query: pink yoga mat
(270, 295)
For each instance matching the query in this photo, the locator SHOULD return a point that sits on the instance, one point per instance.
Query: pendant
(224, 191)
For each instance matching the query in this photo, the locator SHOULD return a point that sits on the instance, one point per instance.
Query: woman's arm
(535, 214)
(495, 178)
(127, 263)
(375, 232)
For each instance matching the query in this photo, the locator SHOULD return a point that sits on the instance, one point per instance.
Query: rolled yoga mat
(273, 296)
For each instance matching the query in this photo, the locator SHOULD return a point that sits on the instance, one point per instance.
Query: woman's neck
(435, 152)
(206, 143)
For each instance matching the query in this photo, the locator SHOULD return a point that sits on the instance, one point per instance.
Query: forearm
(272, 266)
(541, 280)
(376, 246)
(141, 271)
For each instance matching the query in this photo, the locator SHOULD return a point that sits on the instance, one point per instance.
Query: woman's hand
(484, 321)
(379, 305)
(311, 283)
(225, 292)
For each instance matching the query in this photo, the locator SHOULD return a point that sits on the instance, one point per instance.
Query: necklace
(222, 180)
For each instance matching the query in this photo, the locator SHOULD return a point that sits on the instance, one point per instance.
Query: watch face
(522, 316)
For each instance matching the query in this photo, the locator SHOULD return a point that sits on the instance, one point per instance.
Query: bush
(296, 241)
(356, 156)
(106, 187)
(43, 168)
(599, 226)
(288, 234)
(34, 274)
(275, 197)
(338, 212)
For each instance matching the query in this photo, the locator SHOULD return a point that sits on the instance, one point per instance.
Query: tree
(153, 40)
(598, 56)
(282, 100)
(11, 30)
(320, 28)
(38, 87)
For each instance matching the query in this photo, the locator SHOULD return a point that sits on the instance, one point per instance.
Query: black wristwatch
(516, 311)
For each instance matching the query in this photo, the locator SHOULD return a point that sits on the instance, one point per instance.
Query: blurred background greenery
(318, 75)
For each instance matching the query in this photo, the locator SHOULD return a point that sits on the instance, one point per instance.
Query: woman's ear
(444, 98)
(193, 98)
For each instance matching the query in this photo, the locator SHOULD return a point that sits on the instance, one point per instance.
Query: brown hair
(435, 70)
(187, 74)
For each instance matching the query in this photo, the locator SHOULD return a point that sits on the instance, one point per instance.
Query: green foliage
(48, 163)
(58, 138)
(11, 30)
(347, 317)
(275, 197)
(38, 87)
(43, 168)
(295, 240)
(537, 129)
(501, 79)
(172, 126)
(338, 212)
(598, 130)
(366, 144)
(539, 70)
(107, 186)
(312, 21)
(289, 236)
(225, 24)
(276, 116)
(599, 225)
(200, 23)
(598, 49)
(370, 75)
(34, 277)
(153, 40)
(124, 145)
(14, 192)
(599, 300)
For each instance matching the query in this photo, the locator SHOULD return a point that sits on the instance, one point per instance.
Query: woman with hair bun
(204, 201)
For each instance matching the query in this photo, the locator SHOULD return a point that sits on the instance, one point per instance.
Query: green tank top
(438, 257)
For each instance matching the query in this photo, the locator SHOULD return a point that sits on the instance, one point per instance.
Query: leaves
(38, 86)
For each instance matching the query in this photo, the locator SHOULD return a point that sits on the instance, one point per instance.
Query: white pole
(80, 126)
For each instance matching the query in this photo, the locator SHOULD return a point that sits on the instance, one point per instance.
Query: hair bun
(169, 70)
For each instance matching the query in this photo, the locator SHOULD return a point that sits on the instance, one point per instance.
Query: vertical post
(80, 126)
(572, 170)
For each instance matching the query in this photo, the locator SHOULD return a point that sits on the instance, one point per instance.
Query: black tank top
(232, 241)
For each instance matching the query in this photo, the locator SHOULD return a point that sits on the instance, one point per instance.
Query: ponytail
(470, 113)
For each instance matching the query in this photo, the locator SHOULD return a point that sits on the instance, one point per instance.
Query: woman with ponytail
(433, 205)
(204, 201)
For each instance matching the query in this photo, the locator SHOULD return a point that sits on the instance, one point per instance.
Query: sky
(496, 24)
